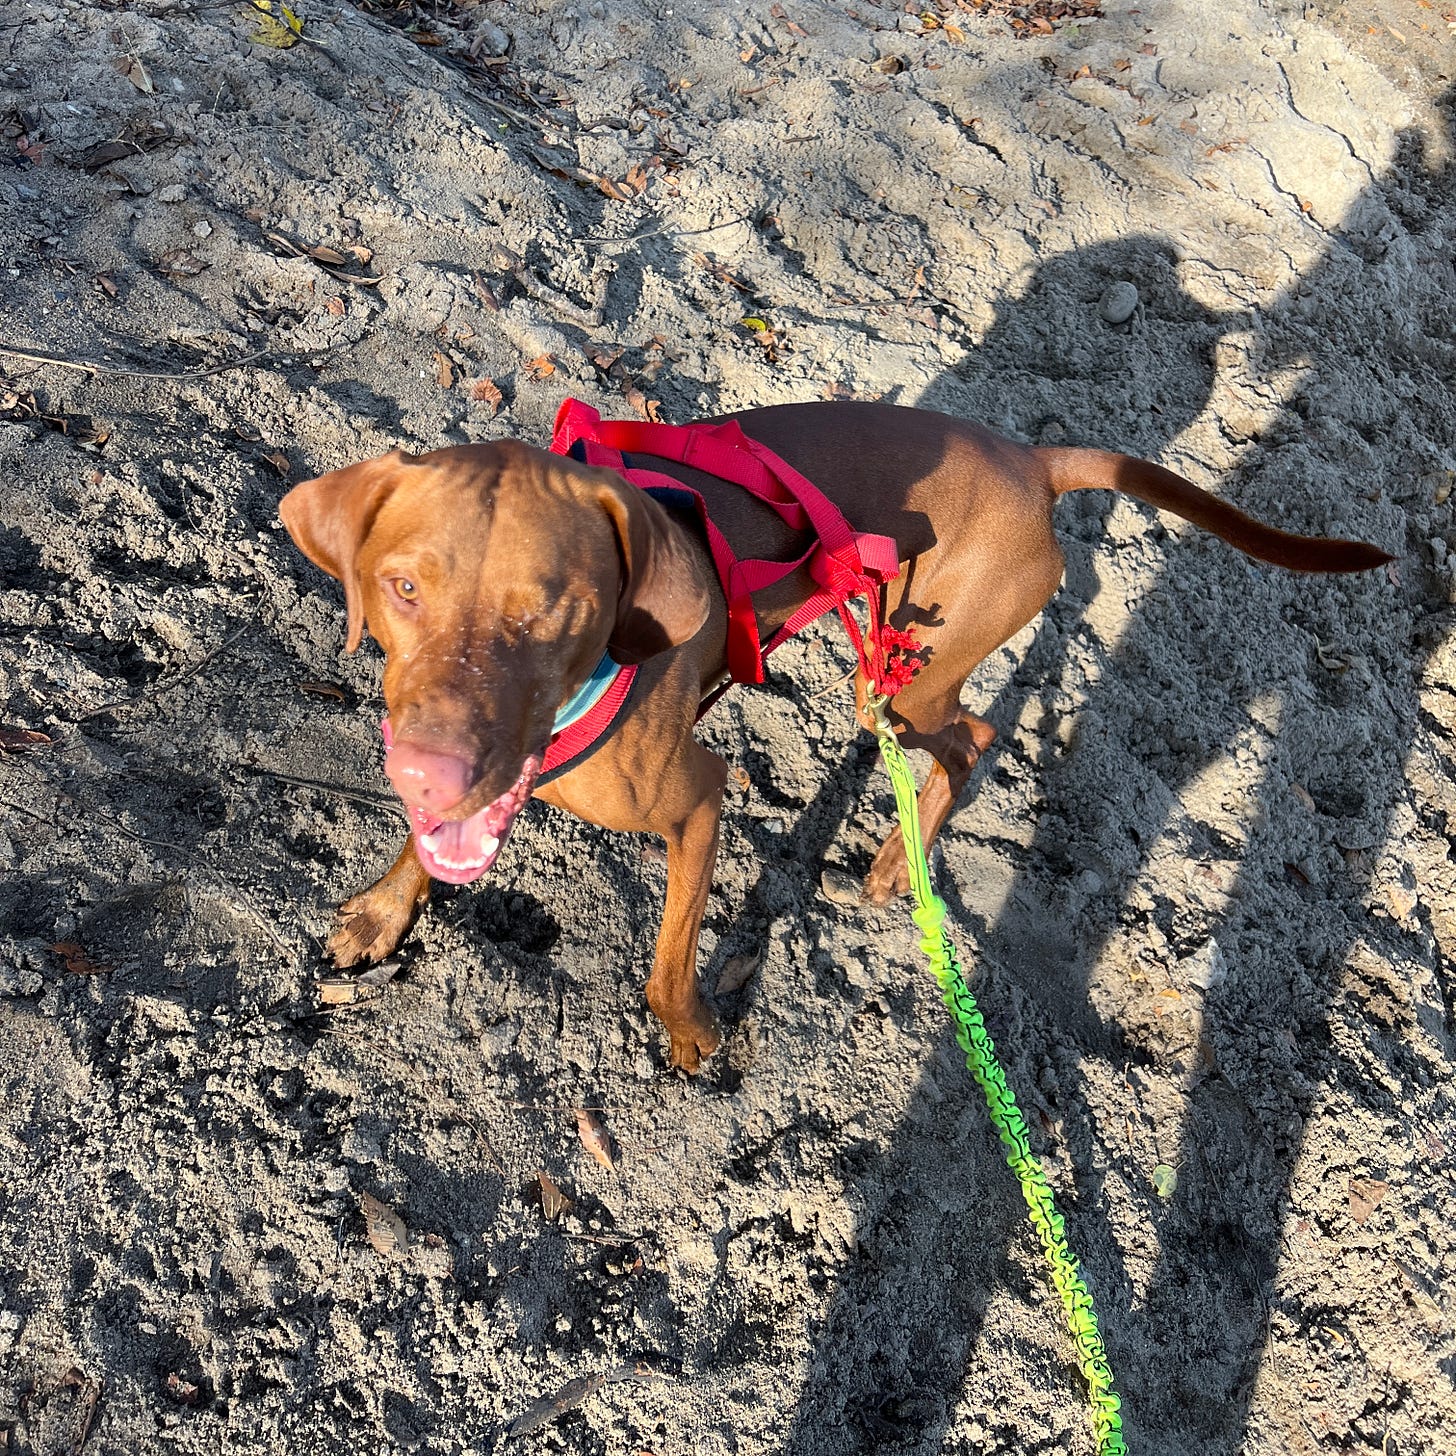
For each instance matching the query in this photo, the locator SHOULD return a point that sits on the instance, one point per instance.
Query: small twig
(29, 813)
(510, 112)
(359, 796)
(570, 1107)
(90, 1395)
(92, 366)
(574, 1393)
(558, 302)
(838, 682)
(618, 1242)
(194, 861)
(172, 682)
(666, 232)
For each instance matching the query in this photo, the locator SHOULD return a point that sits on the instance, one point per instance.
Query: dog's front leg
(372, 924)
(686, 815)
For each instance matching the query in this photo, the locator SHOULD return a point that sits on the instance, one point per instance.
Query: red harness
(843, 562)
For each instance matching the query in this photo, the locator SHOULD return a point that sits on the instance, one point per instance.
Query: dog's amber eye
(406, 590)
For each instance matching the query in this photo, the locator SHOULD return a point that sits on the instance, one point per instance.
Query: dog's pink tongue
(461, 850)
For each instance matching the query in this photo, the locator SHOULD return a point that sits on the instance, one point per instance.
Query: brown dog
(496, 576)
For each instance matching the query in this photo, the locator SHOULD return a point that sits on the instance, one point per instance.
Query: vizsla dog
(496, 576)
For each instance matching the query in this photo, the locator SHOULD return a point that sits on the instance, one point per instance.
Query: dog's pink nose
(427, 780)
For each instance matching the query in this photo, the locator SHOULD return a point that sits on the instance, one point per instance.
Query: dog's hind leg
(954, 750)
(927, 713)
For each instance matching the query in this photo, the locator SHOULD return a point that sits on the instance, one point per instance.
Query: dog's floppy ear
(329, 518)
(665, 597)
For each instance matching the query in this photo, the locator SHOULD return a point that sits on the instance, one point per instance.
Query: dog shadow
(940, 1227)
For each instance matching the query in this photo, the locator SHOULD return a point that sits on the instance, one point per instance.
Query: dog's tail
(1102, 470)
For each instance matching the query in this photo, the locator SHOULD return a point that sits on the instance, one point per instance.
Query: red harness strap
(843, 562)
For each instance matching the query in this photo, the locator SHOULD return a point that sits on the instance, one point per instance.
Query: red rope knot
(903, 658)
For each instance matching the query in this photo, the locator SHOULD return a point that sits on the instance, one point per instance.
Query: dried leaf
(541, 366)
(594, 1136)
(103, 154)
(548, 1407)
(184, 1392)
(14, 739)
(335, 306)
(1365, 1196)
(553, 1201)
(277, 31)
(737, 972)
(363, 280)
(279, 461)
(323, 690)
(106, 285)
(180, 263)
(444, 371)
(645, 409)
(1329, 660)
(76, 961)
(484, 294)
(384, 1228)
(331, 256)
(606, 360)
(954, 34)
(741, 778)
(132, 68)
(617, 191)
(486, 392)
(286, 245)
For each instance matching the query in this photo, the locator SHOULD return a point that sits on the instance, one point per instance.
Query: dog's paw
(690, 1044)
(366, 930)
(882, 886)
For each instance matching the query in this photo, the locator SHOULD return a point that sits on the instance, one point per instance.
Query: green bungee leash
(980, 1053)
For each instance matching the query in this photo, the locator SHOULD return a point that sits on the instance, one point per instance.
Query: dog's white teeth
(489, 845)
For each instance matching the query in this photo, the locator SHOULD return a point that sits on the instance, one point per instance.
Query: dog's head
(494, 577)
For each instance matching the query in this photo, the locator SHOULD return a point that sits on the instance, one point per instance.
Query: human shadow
(1191, 681)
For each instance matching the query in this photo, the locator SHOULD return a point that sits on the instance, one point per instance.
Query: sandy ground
(1204, 879)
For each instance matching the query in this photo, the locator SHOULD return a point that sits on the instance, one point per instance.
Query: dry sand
(1204, 879)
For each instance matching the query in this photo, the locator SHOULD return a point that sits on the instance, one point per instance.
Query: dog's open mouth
(459, 851)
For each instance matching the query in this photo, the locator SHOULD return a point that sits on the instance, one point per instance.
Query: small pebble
(491, 39)
(1118, 303)
(173, 192)
(839, 886)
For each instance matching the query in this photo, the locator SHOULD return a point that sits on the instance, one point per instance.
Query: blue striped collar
(588, 695)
